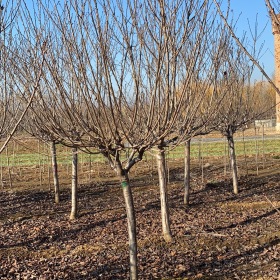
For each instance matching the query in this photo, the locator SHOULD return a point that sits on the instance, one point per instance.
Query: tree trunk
(163, 195)
(233, 163)
(55, 173)
(74, 209)
(187, 174)
(131, 223)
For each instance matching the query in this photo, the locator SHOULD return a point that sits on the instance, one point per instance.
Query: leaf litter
(220, 236)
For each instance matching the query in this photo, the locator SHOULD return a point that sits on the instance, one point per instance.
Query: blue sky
(252, 10)
(248, 10)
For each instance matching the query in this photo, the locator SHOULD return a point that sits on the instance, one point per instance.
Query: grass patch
(19, 251)
(219, 148)
(87, 250)
(29, 155)
(250, 205)
(276, 157)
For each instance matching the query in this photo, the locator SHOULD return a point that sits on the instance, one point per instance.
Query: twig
(272, 204)
(212, 233)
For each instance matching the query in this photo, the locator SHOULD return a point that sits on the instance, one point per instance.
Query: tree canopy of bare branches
(122, 76)
(12, 110)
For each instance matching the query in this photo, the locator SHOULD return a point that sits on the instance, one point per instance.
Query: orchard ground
(220, 236)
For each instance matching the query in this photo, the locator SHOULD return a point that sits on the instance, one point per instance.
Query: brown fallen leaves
(221, 235)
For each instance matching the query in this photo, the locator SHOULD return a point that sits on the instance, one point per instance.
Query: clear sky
(252, 11)
(255, 11)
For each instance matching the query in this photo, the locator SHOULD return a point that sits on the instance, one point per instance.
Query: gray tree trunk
(131, 223)
(163, 195)
(187, 174)
(74, 207)
(55, 173)
(233, 163)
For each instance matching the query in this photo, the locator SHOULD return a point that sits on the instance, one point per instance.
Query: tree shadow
(221, 191)
(227, 267)
(245, 222)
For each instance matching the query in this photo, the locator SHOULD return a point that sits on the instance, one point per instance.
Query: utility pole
(276, 33)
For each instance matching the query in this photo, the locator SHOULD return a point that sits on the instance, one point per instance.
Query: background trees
(264, 95)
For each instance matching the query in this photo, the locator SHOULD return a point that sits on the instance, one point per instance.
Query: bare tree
(12, 111)
(273, 7)
(191, 82)
(32, 124)
(74, 209)
(239, 106)
(33, 42)
(252, 54)
(112, 74)
(55, 171)
(202, 95)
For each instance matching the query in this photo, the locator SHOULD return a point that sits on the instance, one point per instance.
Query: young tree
(112, 77)
(37, 122)
(200, 60)
(11, 110)
(253, 57)
(32, 124)
(240, 106)
(202, 95)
